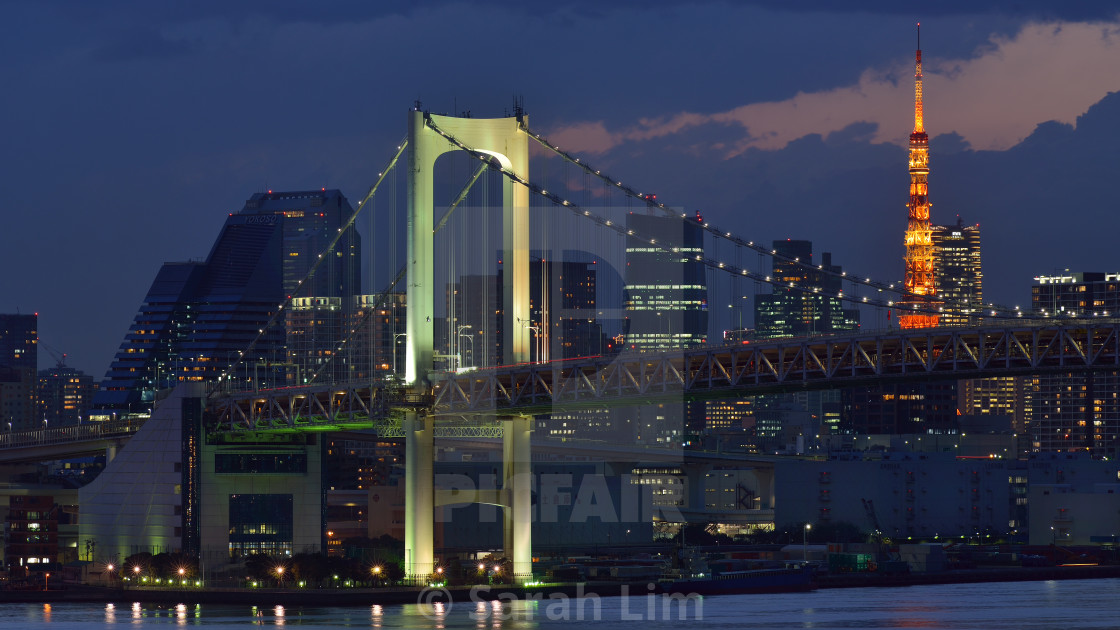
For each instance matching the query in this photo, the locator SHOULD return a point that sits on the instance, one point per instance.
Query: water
(1068, 604)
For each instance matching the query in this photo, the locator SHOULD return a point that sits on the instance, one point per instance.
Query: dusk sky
(132, 129)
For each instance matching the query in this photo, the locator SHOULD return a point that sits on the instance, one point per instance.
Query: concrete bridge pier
(419, 501)
(517, 491)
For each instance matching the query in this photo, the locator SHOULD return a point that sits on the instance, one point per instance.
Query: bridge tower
(919, 234)
(507, 141)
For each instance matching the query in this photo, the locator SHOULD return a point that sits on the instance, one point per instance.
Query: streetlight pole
(805, 542)
(459, 347)
(529, 325)
(469, 338)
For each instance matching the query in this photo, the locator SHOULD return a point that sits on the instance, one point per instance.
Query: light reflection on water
(1074, 604)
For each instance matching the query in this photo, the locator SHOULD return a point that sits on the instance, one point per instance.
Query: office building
(1076, 411)
(19, 356)
(666, 288)
(198, 317)
(562, 293)
(957, 273)
(666, 305)
(64, 395)
(810, 306)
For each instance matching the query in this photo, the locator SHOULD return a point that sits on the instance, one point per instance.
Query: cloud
(1047, 71)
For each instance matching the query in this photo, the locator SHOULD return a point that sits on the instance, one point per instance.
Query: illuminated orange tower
(919, 236)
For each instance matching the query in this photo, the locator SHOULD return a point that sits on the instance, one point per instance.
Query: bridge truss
(713, 372)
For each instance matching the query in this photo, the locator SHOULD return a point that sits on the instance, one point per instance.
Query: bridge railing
(89, 431)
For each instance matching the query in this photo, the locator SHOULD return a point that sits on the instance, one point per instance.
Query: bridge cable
(707, 261)
(1003, 312)
(227, 374)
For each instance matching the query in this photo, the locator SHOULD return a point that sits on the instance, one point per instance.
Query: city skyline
(146, 130)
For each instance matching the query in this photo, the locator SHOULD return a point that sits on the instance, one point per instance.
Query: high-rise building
(19, 357)
(958, 273)
(1076, 411)
(198, 317)
(666, 288)
(562, 293)
(64, 395)
(920, 274)
(790, 312)
(666, 305)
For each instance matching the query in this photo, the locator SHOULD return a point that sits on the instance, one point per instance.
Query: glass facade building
(199, 316)
(957, 273)
(666, 291)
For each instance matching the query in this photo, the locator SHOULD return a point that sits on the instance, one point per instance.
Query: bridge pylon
(515, 497)
(507, 141)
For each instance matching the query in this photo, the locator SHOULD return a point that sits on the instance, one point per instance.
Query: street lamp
(805, 542)
(536, 329)
(459, 347)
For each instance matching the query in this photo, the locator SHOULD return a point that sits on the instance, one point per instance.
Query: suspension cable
(711, 262)
(310, 272)
(715, 231)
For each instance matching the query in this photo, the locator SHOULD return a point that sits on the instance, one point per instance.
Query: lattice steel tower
(919, 240)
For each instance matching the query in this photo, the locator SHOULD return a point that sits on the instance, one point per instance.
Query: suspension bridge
(583, 214)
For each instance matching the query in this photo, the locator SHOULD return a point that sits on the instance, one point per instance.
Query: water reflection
(110, 613)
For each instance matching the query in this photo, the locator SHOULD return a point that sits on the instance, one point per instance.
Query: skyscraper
(789, 312)
(919, 242)
(958, 273)
(666, 303)
(19, 357)
(1076, 411)
(198, 317)
(666, 291)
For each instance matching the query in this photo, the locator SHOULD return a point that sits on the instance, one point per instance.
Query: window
(260, 523)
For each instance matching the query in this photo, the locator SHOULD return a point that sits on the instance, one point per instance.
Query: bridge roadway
(467, 403)
(91, 438)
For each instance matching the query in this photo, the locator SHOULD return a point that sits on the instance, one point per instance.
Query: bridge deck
(722, 371)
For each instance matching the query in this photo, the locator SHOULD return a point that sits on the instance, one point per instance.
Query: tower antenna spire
(919, 241)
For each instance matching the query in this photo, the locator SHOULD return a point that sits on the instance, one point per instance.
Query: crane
(59, 357)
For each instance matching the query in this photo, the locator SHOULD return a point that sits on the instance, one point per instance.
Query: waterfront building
(218, 498)
(19, 357)
(31, 533)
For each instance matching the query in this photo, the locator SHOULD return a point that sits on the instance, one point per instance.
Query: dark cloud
(349, 11)
(1042, 205)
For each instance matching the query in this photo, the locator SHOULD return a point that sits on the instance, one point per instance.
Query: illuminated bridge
(476, 349)
(715, 372)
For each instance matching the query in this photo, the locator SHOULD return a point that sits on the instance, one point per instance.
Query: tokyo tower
(919, 239)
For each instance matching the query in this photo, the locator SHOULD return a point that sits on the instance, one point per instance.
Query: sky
(132, 129)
